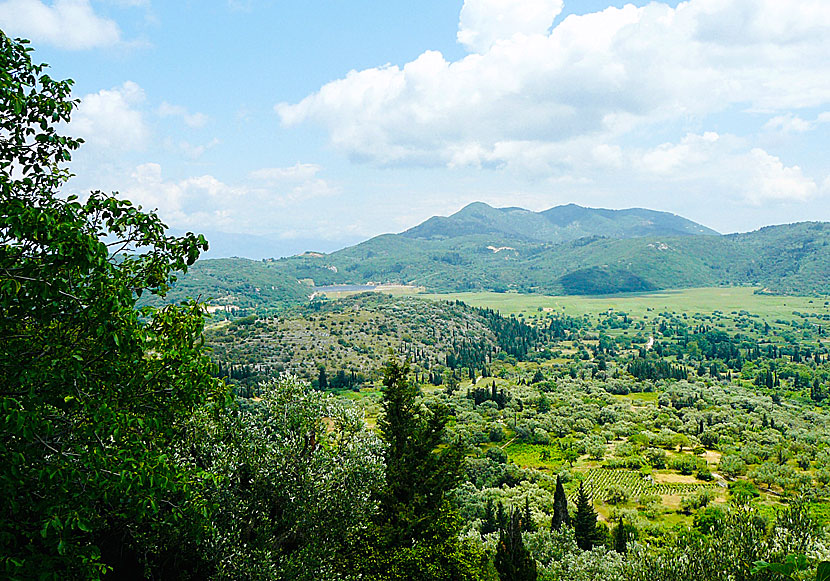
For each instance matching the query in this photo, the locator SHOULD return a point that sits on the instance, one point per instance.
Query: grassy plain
(638, 305)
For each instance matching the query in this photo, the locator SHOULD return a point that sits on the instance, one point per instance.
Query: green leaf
(823, 572)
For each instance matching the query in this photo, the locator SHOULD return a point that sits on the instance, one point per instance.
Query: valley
(668, 406)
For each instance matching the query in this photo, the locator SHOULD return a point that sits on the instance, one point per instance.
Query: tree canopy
(93, 392)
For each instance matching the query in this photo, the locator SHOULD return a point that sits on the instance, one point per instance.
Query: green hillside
(567, 250)
(483, 248)
(238, 285)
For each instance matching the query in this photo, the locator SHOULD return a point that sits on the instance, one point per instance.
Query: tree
(527, 517)
(295, 472)
(560, 507)
(585, 520)
(415, 533)
(322, 380)
(621, 535)
(94, 395)
(513, 560)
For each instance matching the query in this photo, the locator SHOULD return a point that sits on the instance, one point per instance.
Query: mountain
(559, 224)
(575, 250)
(565, 250)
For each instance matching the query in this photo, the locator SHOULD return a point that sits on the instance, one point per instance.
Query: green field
(638, 305)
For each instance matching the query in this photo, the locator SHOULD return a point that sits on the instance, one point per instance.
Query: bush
(743, 490)
(616, 495)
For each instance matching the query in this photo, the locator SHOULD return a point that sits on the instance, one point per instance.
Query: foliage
(416, 532)
(296, 470)
(513, 561)
(560, 507)
(94, 397)
(731, 551)
(585, 521)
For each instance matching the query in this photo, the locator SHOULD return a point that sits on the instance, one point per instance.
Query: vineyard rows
(600, 479)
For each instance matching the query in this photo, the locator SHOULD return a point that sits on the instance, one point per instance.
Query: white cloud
(692, 150)
(257, 205)
(192, 151)
(595, 77)
(194, 120)
(299, 172)
(485, 22)
(68, 24)
(771, 180)
(112, 118)
(723, 164)
(788, 123)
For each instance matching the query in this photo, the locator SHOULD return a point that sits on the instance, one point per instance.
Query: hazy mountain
(558, 224)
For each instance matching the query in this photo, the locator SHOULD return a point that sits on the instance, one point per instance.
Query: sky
(277, 127)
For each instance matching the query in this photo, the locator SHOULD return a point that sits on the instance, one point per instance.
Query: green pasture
(640, 305)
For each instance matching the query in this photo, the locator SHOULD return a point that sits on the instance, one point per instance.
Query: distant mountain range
(559, 224)
(564, 250)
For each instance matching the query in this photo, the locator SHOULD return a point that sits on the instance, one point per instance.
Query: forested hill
(604, 251)
(559, 224)
(236, 284)
(564, 250)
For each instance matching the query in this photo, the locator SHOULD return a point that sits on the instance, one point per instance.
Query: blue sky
(317, 124)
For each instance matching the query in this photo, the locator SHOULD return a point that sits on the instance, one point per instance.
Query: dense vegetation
(617, 446)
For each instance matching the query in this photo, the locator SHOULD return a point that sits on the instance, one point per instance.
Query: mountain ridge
(567, 249)
(557, 224)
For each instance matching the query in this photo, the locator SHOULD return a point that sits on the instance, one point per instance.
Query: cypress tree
(513, 561)
(501, 517)
(560, 507)
(489, 524)
(585, 520)
(621, 538)
(527, 518)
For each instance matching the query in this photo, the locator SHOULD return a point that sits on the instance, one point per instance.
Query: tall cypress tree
(322, 380)
(419, 473)
(585, 520)
(489, 524)
(527, 518)
(415, 533)
(560, 507)
(513, 561)
(621, 538)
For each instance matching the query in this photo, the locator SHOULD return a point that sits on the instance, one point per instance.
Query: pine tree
(501, 516)
(416, 521)
(560, 507)
(513, 561)
(418, 476)
(585, 520)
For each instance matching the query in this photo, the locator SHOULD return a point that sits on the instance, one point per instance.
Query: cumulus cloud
(112, 118)
(598, 76)
(788, 123)
(771, 180)
(194, 120)
(255, 205)
(485, 22)
(726, 164)
(68, 24)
